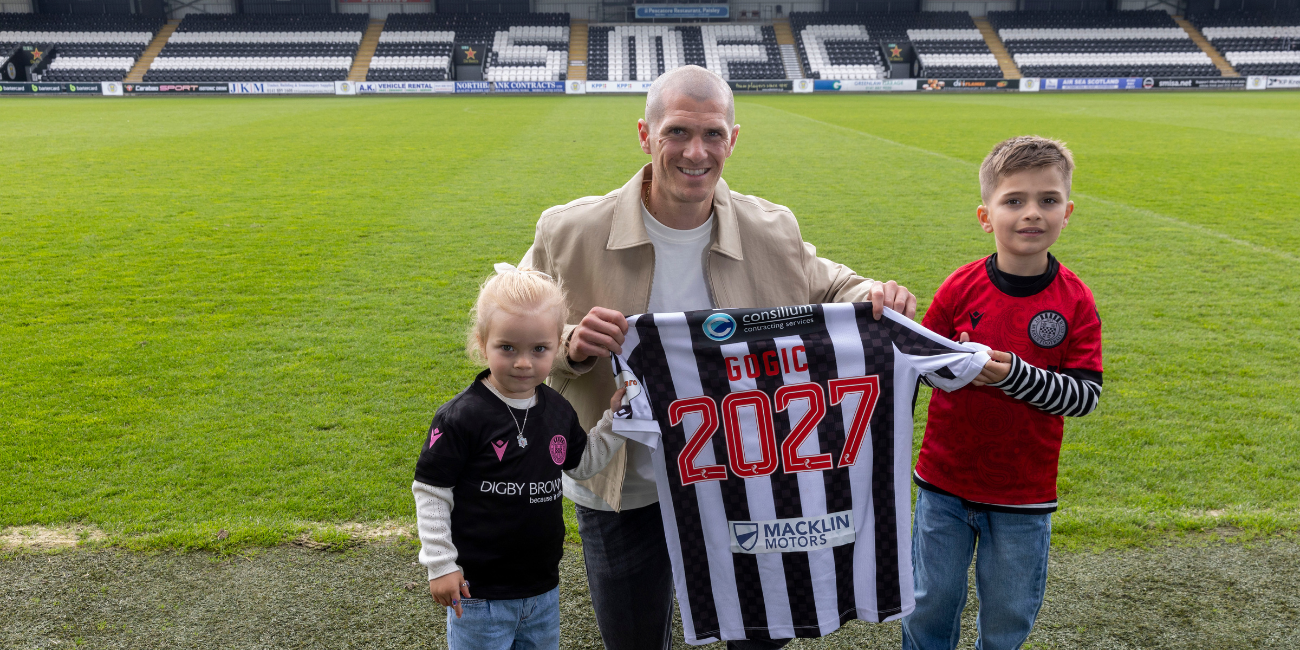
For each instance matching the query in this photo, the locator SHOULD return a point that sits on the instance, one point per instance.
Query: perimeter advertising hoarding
(1284, 82)
(693, 12)
(39, 88)
(575, 87)
(382, 87)
(528, 86)
(774, 86)
(1093, 83)
(803, 85)
(618, 86)
(970, 84)
(282, 88)
(863, 85)
(1235, 83)
(177, 88)
(473, 86)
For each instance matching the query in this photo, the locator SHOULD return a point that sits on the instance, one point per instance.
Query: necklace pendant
(523, 442)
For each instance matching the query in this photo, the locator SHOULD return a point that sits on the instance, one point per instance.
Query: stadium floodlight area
(1255, 43)
(1101, 44)
(259, 47)
(87, 48)
(847, 45)
(521, 47)
(643, 52)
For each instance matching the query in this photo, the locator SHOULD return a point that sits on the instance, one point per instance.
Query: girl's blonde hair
(517, 291)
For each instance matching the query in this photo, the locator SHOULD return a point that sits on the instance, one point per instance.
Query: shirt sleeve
(578, 441)
(635, 419)
(1058, 393)
(1084, 351)
(602, 444)
(941, 363)
(446, 447)
(433, 507)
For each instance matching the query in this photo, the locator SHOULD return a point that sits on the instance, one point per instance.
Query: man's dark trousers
(631, 579)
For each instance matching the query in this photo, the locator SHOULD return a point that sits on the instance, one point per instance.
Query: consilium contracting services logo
(719, 327)
(792, 535)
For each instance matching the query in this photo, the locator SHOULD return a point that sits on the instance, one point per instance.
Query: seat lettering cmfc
(789, 458)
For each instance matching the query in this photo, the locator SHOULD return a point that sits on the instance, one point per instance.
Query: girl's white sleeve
(602, 442)
(433, 517)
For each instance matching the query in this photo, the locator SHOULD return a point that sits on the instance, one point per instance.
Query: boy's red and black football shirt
(981, 444)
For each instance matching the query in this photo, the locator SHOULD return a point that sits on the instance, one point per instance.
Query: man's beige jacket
(598, 248)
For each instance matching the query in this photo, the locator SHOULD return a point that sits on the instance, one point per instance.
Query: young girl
(487, 485)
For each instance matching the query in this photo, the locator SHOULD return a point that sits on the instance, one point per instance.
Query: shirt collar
(628, 230)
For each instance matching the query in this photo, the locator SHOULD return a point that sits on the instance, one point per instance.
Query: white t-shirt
(679, 285)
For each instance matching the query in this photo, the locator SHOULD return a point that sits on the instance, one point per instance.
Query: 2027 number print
(788, 458)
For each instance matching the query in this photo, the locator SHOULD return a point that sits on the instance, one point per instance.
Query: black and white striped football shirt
(782, 450)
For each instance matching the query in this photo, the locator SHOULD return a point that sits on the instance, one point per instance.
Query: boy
(988, 462)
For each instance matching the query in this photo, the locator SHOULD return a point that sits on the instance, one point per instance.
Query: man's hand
(600, 332)
(449, 589)
(616, 402)
(891, 295)
(997, 369)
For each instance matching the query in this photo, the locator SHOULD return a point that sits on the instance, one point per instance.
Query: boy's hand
(616, 402)
(449, 589)
(997, 369)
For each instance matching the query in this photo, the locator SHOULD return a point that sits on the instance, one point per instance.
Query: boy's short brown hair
(1021, 153)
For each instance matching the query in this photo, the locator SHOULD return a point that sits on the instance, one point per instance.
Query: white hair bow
(503, 268)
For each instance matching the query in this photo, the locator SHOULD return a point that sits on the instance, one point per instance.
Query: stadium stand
(847, 45)
(522, 47)
(232, 47)
(643, 52)
(1100, 44)
(1255, 43)
(87, 48)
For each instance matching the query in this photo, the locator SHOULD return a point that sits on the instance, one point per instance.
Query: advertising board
(863, 85)
(575, 87)
(970, 84)
(1093, 83)
(1284, 82)
(803, 85)
(472, 86)
(385, 87)
(618, 86)
(692, 12)
(774, 86)
(1235, 83)
(528, 86)
(282, 88)
(29, 88)
(176, 88)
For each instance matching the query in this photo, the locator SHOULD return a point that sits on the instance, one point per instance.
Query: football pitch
(239, 314)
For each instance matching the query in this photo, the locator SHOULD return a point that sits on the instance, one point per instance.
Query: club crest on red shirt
(1048, 329)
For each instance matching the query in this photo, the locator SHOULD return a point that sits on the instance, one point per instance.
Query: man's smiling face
(688, 146)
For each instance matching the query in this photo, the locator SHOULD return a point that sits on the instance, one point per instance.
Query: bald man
(674, 238)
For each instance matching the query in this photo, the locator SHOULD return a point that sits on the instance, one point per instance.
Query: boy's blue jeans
(523, 624)
(1010, 573)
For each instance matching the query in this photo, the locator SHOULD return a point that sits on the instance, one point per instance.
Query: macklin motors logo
(746, 535)
(719, 327)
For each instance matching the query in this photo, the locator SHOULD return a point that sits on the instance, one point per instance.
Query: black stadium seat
(1255, 42)
(262, 47)
(1100, 44)
(87, 48)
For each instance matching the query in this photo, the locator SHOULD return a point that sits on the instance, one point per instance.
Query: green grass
(241, 313)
